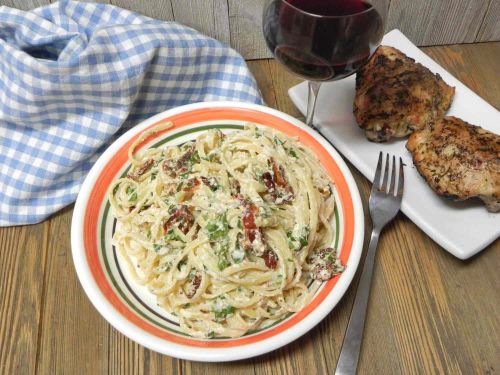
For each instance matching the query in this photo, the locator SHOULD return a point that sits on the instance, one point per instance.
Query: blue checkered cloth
(74, 76)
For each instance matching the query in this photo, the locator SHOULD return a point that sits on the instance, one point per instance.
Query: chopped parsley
(172, 236)
(132, 194)
(222, 314)
(194, 158)
(153, 175)
(219, 228)
(298, 243)
(222, 264)
(292, 153)
(278, 141)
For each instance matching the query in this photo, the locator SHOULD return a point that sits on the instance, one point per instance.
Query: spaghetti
(227, 230)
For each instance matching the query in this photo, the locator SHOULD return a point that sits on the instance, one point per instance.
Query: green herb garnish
(278, 141)
(299, 243)
(132, 194)
(194, 158)
(172, 236)
(292, 153)
(222, 264)
(223, 314)
(219, 228)
(153, 175)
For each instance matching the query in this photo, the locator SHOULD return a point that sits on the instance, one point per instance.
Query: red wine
(322, 48)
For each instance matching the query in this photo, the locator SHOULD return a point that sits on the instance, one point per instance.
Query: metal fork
(384, 204)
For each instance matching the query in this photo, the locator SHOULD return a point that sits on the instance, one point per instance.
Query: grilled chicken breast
(395, 95)
(459, 160)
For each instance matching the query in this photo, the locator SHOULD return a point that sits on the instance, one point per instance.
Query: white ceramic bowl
(131, 309)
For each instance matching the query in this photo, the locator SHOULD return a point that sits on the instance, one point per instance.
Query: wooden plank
(245, 22)
(209, 17)
(474, 341)
(89, 1)
(22, 265)
(226, 368)
(475, 322)
(160, 9)
(24, 4)
(419, 315)
(474, 65)
(74, 337)
(303, 356)
(283, 80)
(437, 22)
(261, 71)
(155, 363)
(490, 28)
(126, 357)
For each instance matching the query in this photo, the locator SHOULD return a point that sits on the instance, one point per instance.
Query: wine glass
(323, 40)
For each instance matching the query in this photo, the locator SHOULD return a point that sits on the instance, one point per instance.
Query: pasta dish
(227, 231)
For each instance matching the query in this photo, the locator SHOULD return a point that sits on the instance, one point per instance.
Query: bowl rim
(163, 346)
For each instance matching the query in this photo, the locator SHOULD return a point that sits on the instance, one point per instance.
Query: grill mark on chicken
(458, 160)
(395, 95)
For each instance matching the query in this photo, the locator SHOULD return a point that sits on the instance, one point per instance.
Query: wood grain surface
(429, 313)
(438, 22)
(490, 27)
(239, 22)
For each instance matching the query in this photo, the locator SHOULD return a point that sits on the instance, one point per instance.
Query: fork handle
(349, 354)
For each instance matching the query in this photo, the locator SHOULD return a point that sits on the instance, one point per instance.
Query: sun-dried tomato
(195, 284)
(146, 166)
(183, 217)
(270, 259)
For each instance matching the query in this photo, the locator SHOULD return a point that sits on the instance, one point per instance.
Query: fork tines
(380, 182)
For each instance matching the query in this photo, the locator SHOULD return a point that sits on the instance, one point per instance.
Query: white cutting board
(462, 228)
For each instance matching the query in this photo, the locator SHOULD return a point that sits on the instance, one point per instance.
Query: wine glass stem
(311, 100)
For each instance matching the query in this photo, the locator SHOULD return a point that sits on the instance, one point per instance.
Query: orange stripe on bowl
(99, 193)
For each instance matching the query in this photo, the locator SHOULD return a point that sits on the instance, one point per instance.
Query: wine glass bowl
(322, 40)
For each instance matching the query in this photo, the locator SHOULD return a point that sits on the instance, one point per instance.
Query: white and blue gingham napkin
(75, 75)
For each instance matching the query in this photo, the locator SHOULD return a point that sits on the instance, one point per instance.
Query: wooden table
(428, 313)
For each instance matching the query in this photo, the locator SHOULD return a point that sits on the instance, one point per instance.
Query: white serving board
(462, 228)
